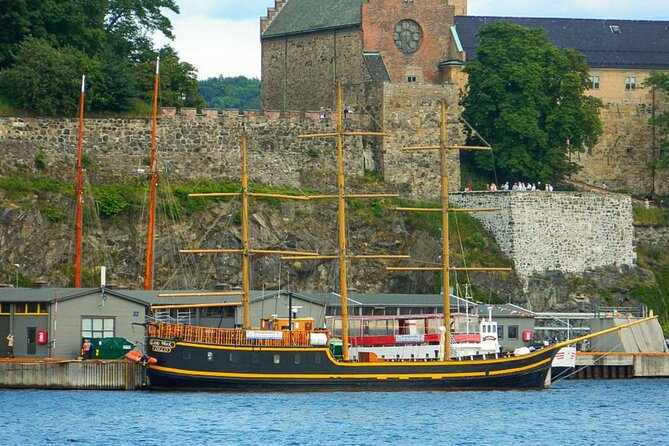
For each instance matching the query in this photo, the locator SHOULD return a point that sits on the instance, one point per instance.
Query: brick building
(379, 48)
(307, 46)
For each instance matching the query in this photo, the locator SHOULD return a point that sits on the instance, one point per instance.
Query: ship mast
(445, 267)
(342, 255)
(153, 181)
(79, 190)
(246, 250)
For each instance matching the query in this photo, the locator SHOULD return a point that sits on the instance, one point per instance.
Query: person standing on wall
(10, 345)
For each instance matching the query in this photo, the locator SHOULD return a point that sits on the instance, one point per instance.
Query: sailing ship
(284, 356)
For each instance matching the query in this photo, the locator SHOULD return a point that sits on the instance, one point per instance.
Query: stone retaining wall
(652, 236)
(570, 232)
(195, 146)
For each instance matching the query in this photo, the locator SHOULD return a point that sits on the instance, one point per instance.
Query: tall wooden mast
(342, 253)
(245, 238)
(153, 181)
(246, 249)
(445, 267)
(79, 190)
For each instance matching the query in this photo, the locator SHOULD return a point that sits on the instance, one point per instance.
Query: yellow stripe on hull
(349, 376)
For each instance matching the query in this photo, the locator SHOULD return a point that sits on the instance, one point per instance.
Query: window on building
(513, 332)
(411, 78)
(615, 29)
(594, 82)
(30, 308)
(5, 308)
(218, 312)
(367, 311)
(97, 327)
(500, 331)
(630, 83)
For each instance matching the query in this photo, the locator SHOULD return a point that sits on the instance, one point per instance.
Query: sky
(222, 37)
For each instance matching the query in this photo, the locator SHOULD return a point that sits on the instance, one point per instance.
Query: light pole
(17, 273)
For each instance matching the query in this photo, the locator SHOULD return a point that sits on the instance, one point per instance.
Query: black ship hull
(188, 365)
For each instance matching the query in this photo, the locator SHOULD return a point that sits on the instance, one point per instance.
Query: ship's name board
(264, 335)
(409, 339)
(161, 346)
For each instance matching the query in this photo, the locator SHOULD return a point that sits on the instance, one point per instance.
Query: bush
(110, 200)
(43, 79)
(39, 184)
(40, 161)
(651, 216)
(53, 214)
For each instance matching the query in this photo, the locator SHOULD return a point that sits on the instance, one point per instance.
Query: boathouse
(51, 322)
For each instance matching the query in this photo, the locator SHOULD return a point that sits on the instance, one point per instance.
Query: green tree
(43, 79)
(527, 99)
(231, 92)
(76, 23)
(129, 23)
(46, 45)
(178, 80)
(660, 83)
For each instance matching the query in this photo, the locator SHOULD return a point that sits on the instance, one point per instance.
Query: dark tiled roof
(303, 16)
(639, 44)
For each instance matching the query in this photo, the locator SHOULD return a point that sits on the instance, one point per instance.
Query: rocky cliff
(42, 243)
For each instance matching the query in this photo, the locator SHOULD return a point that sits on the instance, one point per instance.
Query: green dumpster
(110, 348)
(336, 347)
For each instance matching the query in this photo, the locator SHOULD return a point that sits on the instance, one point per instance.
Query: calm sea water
(633, 412)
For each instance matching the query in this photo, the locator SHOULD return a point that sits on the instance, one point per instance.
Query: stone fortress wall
(206, 144)
(540, 231)
(190, 145)
(621, 157)
(571, 232)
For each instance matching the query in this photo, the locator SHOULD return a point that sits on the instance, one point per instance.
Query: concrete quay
(621, 365)
(71, 374)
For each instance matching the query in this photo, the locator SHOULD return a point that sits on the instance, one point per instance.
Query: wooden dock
(71, 374)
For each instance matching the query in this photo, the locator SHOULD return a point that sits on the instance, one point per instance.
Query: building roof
(151, 297)
(42, 294)
(50, 295)
(376, 67)
(606, 43)
(303, 16)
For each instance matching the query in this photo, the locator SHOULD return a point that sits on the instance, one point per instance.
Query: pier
(621, 365)
(71, 374)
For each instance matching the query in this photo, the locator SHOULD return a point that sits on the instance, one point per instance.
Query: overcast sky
(222, 37)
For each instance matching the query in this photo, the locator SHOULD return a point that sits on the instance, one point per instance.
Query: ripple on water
(573, 412)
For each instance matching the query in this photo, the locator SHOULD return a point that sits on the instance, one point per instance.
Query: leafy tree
(111, 86)
(77, 23)
(43, 79)
(178, 82)
(46, 45)
(660, 82)
(131, 22)
(527, 98)
(231, 92)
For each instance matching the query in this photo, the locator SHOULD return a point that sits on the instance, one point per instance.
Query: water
(620, 412)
